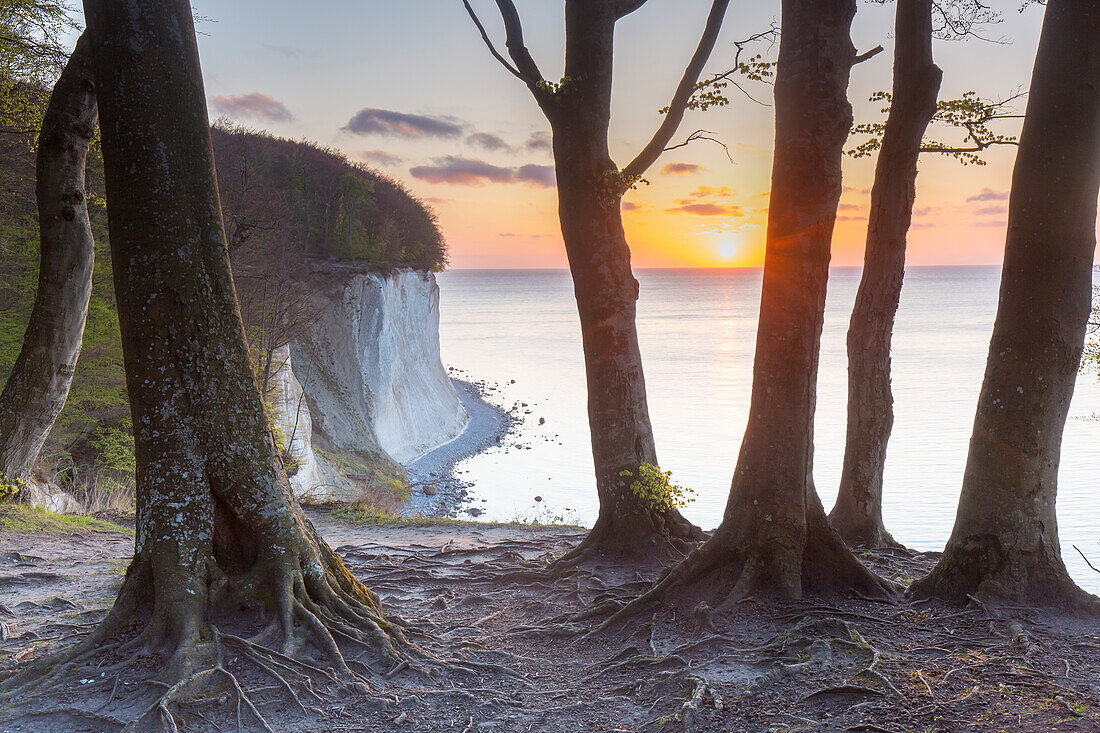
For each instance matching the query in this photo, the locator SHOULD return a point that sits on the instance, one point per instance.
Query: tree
(219, 533)
(857, 514)
(39, 383)
(1004, 545)
(31, 55)
(774, 537)
(590, 190)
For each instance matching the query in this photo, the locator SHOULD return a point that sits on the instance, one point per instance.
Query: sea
(518, 330)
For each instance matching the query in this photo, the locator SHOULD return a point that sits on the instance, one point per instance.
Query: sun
(729, 248)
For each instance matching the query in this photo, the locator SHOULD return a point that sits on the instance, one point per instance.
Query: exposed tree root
(982, 569)
(324, 632)
(823, 566)
(652, 538)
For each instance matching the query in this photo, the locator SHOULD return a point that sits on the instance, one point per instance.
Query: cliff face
(371, 375)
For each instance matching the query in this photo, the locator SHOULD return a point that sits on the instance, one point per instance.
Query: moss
(22, 519)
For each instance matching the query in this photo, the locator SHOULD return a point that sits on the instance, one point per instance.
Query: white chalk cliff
(371, 375)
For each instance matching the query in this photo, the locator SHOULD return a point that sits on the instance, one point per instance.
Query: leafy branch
(970, 114)
(712, 92)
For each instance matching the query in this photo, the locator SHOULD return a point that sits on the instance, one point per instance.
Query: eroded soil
(516, 656)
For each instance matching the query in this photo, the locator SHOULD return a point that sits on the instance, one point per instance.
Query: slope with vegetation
(286, 204)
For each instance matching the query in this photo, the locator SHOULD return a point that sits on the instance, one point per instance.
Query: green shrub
(115, 450)
(656, 488)
(10, 487)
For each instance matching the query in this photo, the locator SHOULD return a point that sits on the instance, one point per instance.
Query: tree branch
(513, 30)
(702, 135)
(684, 92)
(626, 7)
(867, 55)
(489, 43)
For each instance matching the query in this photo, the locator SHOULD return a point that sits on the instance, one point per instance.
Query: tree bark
(775, 539)
(590, 193)
(857, 514)
(39, 383)
(219, 533)
(1004, 545)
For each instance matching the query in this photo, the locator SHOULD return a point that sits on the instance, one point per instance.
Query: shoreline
(437, 492)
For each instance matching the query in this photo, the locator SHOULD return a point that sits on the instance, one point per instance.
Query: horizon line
(703, 267)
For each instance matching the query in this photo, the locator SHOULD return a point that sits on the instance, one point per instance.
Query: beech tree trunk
(218, 530)
(1004, 545)
(775, 539)
(774, 521)
(39, 383)
(590, 192)
(857, 514)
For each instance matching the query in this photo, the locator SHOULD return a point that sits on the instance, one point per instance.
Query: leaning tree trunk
(590, 190)
(39, 384)
(1004, 545)
(219, 533)
(857, 514)
(775, 538)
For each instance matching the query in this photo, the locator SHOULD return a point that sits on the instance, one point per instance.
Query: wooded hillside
(286, 204)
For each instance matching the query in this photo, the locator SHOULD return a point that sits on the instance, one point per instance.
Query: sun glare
(729, 248)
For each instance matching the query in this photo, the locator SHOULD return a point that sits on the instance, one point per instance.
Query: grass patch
(23, 519)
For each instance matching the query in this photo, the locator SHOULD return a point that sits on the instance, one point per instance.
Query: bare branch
(684, 92)
(513, 30)
(489, 43)
(1085, 558)
(703, 135)
(867, 55)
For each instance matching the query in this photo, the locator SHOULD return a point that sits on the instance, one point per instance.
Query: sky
(409, 88)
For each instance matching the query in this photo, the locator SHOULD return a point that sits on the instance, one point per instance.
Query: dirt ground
(516, 654)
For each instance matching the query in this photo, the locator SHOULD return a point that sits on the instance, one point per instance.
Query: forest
(153, 265)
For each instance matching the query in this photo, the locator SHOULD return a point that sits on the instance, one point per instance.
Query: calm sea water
(698, 330)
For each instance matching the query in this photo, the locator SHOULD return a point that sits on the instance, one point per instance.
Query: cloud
(458, 171)
(988, 194)
(706, 209)
(750, 149)
(380, 157)
(991, 210)
(254, 105)
(994, 224)
(706, 191)
(849, 207)
(851, 218)
(540, 142)
(631, 206)
(539, 175)
(487, 141)
(371, 121)
(682, 169)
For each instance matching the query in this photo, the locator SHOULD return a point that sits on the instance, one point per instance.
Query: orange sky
(410, 89)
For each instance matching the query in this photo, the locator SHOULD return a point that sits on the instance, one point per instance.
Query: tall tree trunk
(219, 533)
(775, 538)
(39, 383)
(857, 514)
(1005, 541)
(590, 190)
